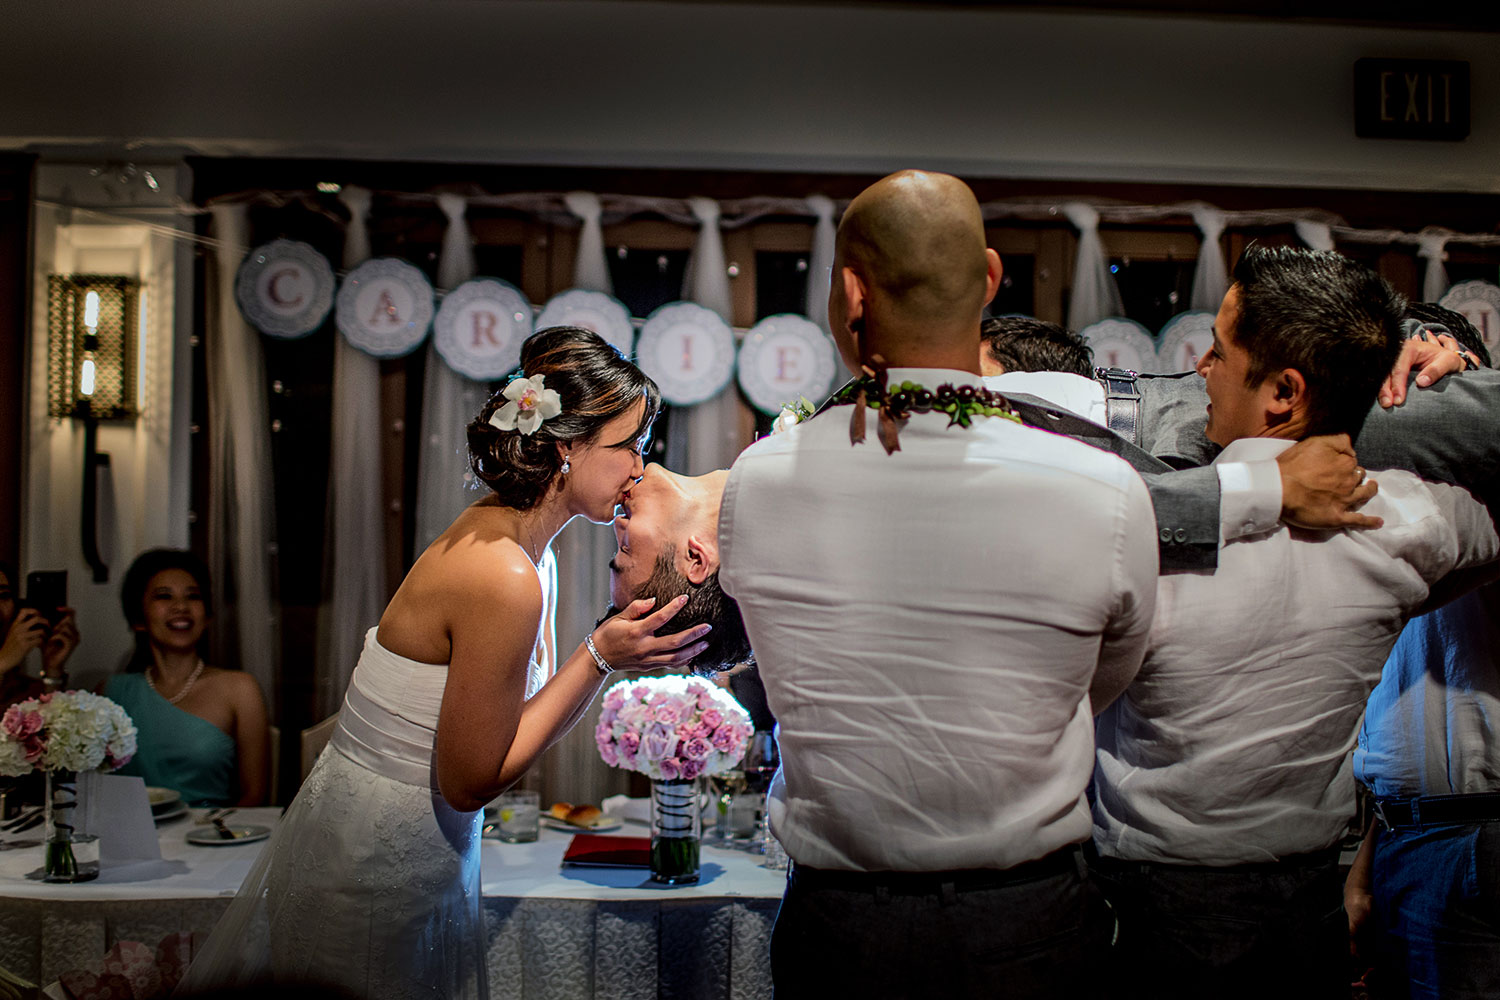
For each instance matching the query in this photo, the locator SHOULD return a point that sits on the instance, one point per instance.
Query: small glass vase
(60, 863)
(676, 831)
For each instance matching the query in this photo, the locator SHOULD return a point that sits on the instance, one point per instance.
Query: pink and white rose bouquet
(671, 728)
(65, 731)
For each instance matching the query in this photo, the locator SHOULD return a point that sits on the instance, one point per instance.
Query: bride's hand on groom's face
(628, 643)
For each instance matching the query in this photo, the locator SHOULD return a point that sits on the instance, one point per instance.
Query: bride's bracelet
(599, 661)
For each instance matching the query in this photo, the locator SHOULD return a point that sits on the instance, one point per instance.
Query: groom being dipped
(929, 649)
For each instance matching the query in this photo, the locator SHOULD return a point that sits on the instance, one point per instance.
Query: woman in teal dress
(201, 731)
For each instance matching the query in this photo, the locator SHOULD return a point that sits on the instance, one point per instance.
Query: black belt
(1311, 859)
(1061, 861)
(1435, 810)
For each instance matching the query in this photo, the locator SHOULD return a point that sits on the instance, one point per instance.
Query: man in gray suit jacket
(1442, 437)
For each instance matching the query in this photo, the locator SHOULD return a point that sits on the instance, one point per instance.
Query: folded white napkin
(625, 807)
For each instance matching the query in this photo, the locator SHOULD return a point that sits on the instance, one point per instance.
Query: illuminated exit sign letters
(1411, 99)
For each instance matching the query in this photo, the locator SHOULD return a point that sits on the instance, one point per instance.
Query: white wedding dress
(371, 881)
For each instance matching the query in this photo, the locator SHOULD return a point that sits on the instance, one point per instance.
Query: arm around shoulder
(1186, 527)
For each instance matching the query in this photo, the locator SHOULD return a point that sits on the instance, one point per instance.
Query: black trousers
(955, 935)
(1274, 930)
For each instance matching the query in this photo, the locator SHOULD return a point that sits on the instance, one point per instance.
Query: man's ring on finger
(1470, 362)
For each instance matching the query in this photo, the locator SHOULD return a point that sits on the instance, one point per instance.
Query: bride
(371, 882)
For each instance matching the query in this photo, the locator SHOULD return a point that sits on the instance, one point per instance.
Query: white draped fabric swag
(1317, 235)
(449, 400)
(1210, 281)
(714, 434)
(1094, 295)
(356, 530)
(1432, 246)
(240, 514)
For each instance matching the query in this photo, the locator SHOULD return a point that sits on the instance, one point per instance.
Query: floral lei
(962, 404)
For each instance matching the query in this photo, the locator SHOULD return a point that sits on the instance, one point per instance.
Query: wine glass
(762, 758)
(723, 789)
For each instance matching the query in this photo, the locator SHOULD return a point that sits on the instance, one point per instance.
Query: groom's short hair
(728, 644)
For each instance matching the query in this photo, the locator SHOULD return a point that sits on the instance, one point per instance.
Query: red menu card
(592, 850)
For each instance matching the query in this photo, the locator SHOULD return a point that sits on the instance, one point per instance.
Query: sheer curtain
(449, 400)
(355, 519)
(1095, 295)
(241, 524)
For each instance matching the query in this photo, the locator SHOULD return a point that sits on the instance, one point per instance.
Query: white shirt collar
(1254, 449)
(931, 378)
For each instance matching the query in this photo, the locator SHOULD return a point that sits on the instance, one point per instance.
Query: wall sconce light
(92, 325)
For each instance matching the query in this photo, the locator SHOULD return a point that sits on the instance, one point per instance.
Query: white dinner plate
(604, 826)
(207, 836)
(176, 811)
(162, 799)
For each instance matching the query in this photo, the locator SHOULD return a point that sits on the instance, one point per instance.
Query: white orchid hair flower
(529, 402)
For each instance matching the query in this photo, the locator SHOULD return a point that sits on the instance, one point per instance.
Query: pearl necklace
(192, 679)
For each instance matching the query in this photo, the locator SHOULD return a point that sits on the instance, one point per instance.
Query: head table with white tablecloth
(552, 932)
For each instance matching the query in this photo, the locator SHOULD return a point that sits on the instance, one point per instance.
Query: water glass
(518, 818)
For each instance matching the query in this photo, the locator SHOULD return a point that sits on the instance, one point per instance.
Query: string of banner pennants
(386, 308)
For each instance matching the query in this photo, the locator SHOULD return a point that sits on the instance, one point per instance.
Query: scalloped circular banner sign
(285, 288)
(688, 350)
(1121, 343)
(384, 307)
(480, 327)
(604, 314)
(1186, 338)
(1479, 302)
(785, 358)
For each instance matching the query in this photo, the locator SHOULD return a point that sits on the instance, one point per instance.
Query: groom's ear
(702, 557)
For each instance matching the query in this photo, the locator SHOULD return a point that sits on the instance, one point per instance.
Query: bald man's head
(917, 268)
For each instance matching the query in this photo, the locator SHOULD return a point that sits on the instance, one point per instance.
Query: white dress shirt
(1249, 492)
(1233, 743)
(928, 625)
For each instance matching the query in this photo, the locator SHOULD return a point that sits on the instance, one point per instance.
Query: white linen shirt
(928, 625)
(1232, 745)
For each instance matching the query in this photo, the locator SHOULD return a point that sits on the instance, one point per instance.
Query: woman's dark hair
(595, 383)
(138, 578)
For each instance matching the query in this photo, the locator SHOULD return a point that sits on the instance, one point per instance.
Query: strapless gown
(371, 881)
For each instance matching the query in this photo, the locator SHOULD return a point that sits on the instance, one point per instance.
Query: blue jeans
(1437, 911)
(1045, 939)
(1273, 930)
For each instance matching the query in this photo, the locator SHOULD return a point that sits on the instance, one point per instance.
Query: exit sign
(1411, 99)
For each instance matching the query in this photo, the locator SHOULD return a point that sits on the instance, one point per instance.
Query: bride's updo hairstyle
(595, 383)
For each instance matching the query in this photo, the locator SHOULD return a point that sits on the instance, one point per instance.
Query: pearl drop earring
(567, 466)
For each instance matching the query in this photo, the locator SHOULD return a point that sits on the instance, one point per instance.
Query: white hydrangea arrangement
(65, 731)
